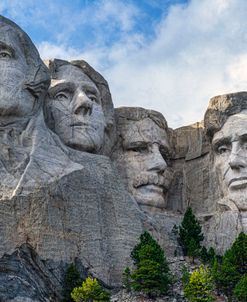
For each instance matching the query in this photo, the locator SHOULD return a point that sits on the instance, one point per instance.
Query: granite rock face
(65, 203)
(80, 181)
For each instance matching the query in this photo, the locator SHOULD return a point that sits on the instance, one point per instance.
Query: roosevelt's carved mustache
(151, 178)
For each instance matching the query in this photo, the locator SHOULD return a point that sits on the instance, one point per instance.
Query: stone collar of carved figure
(145, 154)
(74, 104)
(230, 148)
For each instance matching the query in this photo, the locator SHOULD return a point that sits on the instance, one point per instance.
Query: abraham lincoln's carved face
(230, 148)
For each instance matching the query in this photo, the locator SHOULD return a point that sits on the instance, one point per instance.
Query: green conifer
(71, 280)
(90, 291)
(190, 229)
(228, 272)
(151, 275)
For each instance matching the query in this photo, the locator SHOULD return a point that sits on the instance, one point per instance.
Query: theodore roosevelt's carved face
(145, 153)
(75, 106)
(230, 147)
(15, 99)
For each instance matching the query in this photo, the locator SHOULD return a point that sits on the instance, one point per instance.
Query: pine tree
(127, 279)
(190, 229)
(207, 256)
(90, 291)
(200, 286)
(151, 275)
(240, 290)
(233, 266)
(211, 255)
(193, 250)
(71, 280)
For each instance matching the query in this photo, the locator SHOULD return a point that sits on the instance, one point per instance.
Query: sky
(168, 55)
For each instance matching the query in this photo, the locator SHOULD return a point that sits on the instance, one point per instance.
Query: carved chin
(239, 198)
(85, 144)
(82, 138)
(150, 195)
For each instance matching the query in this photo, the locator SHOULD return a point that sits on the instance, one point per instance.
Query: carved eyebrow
(165, 149)
(243, 137)
(4, 46)
(91, 89)
(134, 145)
(221, 141)
(61, 86)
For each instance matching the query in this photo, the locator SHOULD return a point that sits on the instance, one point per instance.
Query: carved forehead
(145, 130)
(11, 38)
(72, 73)
(235, 126)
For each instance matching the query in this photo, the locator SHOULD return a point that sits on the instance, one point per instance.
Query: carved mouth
(78, 124)
(151, 188)
(238, 183)
(83, 125)
(144, 180)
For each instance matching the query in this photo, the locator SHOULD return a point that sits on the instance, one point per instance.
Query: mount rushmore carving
(80, 181)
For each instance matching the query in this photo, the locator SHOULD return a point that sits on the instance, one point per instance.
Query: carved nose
(237, 161)
(238, 158)
(82, 104)
(156, 161)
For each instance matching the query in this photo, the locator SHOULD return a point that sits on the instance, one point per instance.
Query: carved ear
(109, 126)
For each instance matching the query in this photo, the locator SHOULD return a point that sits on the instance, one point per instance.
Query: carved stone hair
(220, 108)
(137, 114)
(37, 77)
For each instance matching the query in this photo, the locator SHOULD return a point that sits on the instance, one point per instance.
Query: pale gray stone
(65, 203)
(79, 108)
(225, 122)
(142, 155)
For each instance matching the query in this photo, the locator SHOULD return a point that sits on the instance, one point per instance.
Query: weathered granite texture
(80, 182)
(23, 272)
(64, 203)
(143, 159)
(79, 107)
(209, 170)
(225, 124)
(143, 154)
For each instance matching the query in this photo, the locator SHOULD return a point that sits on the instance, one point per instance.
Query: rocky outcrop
(25, 277)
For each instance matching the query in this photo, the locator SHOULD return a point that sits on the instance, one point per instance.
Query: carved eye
(93, 98)
(62, 96)
(139, 149)
(244, 146)
(223, 149)
(5, 54)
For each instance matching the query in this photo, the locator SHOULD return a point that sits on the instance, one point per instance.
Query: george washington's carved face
(145, 153)
(230, 148)
(15, 99)
(75, 106)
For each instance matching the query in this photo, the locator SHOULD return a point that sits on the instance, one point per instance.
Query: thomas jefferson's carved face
(75, 105)
(145, 155)
(15, 100)
(230, 147)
